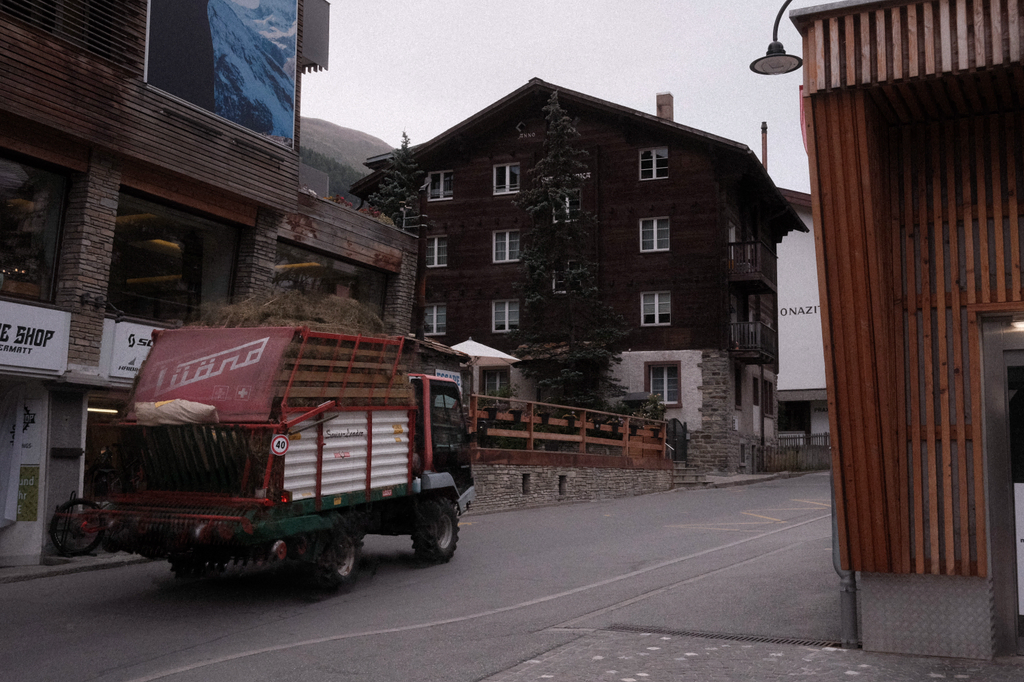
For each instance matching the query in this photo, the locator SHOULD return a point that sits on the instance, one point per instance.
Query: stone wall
(716, 446)
(85, 256)
(501, 487)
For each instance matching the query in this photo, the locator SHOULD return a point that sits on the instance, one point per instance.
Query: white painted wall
(801, 353)
(630, 373)
(819, 416)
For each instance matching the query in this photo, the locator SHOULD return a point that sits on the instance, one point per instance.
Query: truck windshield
(446, 424)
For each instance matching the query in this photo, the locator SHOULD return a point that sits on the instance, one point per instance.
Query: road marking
(569, 624)
(763, 517)
(473, 616)
(718, 525)
(820, 504)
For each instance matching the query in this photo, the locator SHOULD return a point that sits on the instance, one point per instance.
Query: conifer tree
(567, 334)
(400, 187)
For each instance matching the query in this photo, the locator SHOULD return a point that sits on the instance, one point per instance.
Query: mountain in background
(339, 152)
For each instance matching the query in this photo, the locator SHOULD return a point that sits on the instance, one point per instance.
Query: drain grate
(759, 639)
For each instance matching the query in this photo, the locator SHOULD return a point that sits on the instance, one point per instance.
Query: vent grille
(107, 28)
(757, 639)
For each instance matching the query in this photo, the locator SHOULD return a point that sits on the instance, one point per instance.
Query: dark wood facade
(711, 184)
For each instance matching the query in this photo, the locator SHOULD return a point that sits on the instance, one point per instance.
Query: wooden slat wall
(902, 41)
(920, 231)
(103, 104)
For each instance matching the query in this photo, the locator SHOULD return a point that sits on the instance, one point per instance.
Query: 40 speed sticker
(279, 445)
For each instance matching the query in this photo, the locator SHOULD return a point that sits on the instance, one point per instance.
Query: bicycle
(73, 530)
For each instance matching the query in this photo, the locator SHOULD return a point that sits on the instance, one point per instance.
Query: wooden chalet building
(915, 128)
(139, 181)
(685, 249)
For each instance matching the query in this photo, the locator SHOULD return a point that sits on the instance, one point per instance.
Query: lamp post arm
(775, 32)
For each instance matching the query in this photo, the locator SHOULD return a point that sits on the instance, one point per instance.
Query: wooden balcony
(753, 343)
(753, 267)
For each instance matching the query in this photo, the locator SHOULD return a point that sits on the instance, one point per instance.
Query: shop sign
(131, 346)
(28, 494)
(454, 376)
(34, 338)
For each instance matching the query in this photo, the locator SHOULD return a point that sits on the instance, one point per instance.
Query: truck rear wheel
(338, 564)
(437, 531)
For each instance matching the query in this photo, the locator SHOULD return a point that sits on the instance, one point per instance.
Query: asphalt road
(750, 560)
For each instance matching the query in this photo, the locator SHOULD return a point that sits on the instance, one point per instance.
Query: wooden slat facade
(105, 104)
(915, 126)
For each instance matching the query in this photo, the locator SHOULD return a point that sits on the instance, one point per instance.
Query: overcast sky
(422, 66)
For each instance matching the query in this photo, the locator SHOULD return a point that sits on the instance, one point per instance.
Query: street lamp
(776, 61)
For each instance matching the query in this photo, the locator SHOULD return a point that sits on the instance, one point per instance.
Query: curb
(17, 574)
(748, 481)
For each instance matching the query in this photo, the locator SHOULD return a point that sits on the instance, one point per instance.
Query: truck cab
(441, 434)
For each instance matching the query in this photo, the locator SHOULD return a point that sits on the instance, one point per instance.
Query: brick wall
(86, 253)
(500, 487)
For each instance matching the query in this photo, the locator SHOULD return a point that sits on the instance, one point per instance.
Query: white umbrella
(485, 356)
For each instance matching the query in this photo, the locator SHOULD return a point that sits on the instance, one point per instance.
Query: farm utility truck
(263, 444)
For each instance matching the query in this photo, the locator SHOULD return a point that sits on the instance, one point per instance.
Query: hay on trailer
(319, 312)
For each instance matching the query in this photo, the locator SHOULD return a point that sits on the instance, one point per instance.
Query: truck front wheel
(437, 531)
(338, 562)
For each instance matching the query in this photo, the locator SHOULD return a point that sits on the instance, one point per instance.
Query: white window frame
(502, 377)
(506, 187)
(655, 226)
(442, 194)
(504, 241)
(430, 319)
(654, 169)
(506, 309)
(433, 251)
(658, 299)
(663, 370)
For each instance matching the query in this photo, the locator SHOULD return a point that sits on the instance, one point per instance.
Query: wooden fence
(513, 424)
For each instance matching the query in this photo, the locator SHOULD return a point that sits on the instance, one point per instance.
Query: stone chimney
(665, 108)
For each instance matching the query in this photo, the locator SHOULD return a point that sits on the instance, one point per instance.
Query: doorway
(1004, 476)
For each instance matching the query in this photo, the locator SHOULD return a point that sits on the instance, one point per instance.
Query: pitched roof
(535, 86)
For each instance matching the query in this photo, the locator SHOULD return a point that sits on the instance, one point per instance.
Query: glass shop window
(31, 204)
(166, 263)
(299, 269)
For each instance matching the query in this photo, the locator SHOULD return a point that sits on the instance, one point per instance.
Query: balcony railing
(755, 342)
(752, 262)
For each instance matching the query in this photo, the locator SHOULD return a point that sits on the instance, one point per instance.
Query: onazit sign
(33, 338)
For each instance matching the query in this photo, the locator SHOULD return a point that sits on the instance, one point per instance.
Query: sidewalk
(58, 565)
(615, 656)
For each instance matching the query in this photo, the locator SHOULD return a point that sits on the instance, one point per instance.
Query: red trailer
(261, 444)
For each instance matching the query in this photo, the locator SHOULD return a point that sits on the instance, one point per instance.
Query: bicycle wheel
(72, 532)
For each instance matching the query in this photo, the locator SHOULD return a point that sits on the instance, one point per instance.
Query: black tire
(337, 567)
(73, 533)
(437, 531)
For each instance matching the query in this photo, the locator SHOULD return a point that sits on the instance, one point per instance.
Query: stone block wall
(85, 256)
(716, 446)
(257, 253)
(502, 487)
